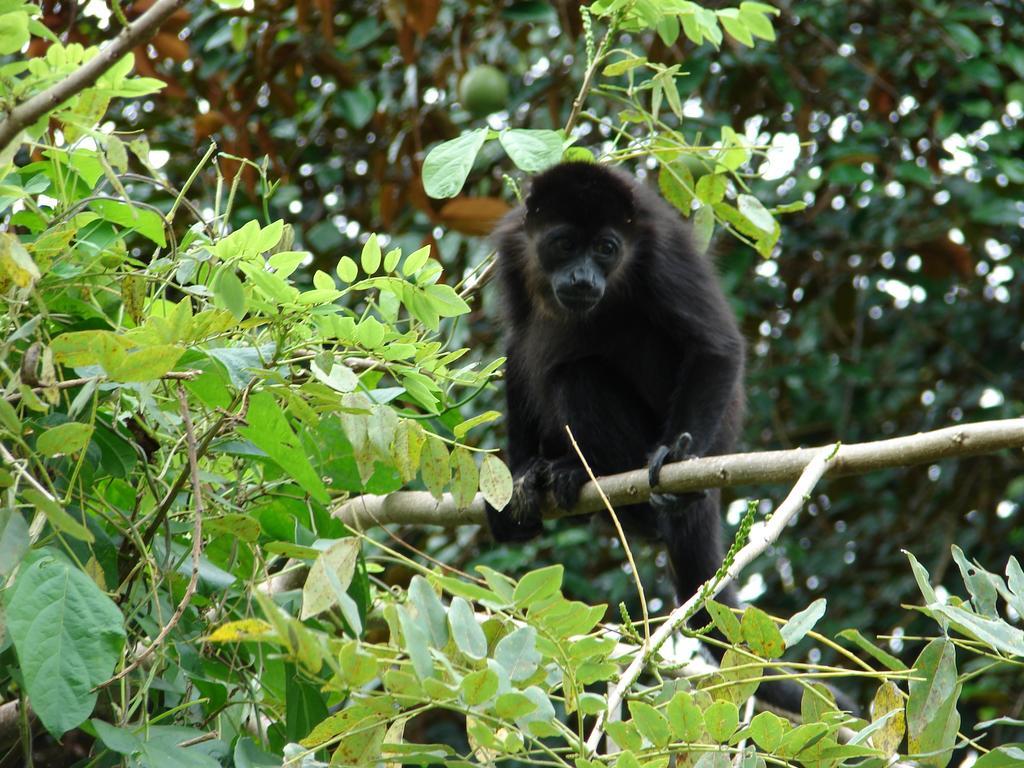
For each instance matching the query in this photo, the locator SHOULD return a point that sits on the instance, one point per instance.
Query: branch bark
(140, 31)
(420, 508)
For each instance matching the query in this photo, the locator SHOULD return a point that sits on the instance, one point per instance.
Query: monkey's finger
(681, 447)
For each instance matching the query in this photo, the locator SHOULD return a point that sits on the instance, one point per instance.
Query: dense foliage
(202, 358)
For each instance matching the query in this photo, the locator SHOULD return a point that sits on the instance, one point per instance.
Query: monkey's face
(578, 264)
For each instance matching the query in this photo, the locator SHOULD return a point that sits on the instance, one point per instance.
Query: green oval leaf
(532, 150)
(68, 635)
(466, 631)
(495, 481)
(447, 165)
(66, 438)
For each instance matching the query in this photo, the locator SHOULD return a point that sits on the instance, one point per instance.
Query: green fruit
(483, 90)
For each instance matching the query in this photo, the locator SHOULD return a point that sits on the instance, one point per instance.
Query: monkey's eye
(565, 244)
(607, 247)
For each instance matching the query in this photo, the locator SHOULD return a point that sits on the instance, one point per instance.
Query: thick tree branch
(140, 31)
(420, 508)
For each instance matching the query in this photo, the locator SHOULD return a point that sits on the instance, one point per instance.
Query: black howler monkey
(617, 327)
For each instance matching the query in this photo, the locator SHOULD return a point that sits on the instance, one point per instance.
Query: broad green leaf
(477, 687)
(741, 673)
(66, 438)
(16, 263)
(406, 448)
(995, 633)
(794, 630)
(725, 620)
(932, 717)
(675, 181)
(146, 364)
(767, 730)
(538, 585)
(434, 465)
(495, 481)
(1009, 756)
(357, 666)
(980, 583)
(14, 32)
(416, 644)
(14, 541)
(466, 631)
(622, 66)
(447, 165)
(229, 293)
(268, 428)
(532, 150)
(625, 735)
(146, 222)
(514, 704)
(517, 653)
(465, 477)
(318, 593)
(340, 378)
(650, 722)
(68, 636)
(756, 213)
(685, 718)
(346, 269)
(430, 610)
(721, 720)
(761, 634)
(888, 704)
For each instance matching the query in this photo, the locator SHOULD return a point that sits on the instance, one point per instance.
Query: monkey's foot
(678, 451)
(566, 485)
(521, 518)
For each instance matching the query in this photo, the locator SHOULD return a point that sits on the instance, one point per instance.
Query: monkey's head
(579, 226)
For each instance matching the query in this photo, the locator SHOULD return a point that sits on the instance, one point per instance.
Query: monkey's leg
(678, 451)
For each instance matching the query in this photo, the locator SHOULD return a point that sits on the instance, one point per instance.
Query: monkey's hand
(567, 479)
(678, 451)
(521, 519)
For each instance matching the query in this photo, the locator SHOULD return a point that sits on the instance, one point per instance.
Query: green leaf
(725, 620)
(756, 213)
(9, 417)
(320, 592)
(148, 223)
(703, 227)
(13, 32)
(466, 631)
(346, 269)
(622, 66)
(932, 717)
(513, 705)
(416, 644)
(650, 722)
(229, 293)
(445, 300)
(57, 516)
(64, 439)
(414, 261)
(447, 166)
(741, 673)
(888, 705)
(370, 257)
(68, 636)
(429, 610)
(477, 687)
(14, 541)
(1010, 756)
(980, 583)
(146, 364)
(434, 466)
(625, 735)
(517, 653)
(734, 25)
(761, 634)
(794, 630)
(767, 730)
(685, 718)
(495, 481)
(538, 585)
(532, 150)
(268, 428)
(721, 720)
(675, 181)
(465, 477)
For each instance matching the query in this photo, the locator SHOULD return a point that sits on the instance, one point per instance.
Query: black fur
(658, 356)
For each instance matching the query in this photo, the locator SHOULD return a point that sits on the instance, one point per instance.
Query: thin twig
(421, 508)
(197, 544)
(622, 535)
(26, 113)
(759, 542)
(69, 383)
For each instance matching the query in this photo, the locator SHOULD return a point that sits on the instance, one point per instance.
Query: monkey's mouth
(578, 302)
